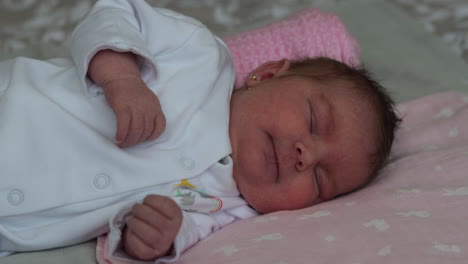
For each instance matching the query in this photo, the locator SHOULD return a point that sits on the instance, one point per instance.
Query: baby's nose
(306, 157)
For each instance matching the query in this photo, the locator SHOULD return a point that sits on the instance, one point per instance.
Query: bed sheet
(411, 63)
(31, 21)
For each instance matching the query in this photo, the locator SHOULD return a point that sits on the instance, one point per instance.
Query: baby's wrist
(122, 77)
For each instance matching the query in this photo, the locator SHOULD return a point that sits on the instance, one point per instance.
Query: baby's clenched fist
(152, 228)
(137, 110)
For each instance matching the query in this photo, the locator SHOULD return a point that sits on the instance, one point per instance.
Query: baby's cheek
(300, 194)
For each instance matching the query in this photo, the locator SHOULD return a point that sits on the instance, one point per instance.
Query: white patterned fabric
(27, 22)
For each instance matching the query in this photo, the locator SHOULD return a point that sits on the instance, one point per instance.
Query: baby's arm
(137, 109)
(192, 228)
(106, 45)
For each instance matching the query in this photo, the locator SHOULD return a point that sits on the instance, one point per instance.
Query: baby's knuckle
(177, 213)
(151, 198)
(134, 211)
(170, 205)
(121, 108)
(138, 128)
(138, 209)
(162, 121)
(155, 237)
(173, 211)
(131, 222)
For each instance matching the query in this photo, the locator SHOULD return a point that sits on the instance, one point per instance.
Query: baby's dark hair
(387, 121)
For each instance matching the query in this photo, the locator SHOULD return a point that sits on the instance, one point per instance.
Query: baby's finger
(144, 212)
(149, 235)
(135, 130)
(149, 128)
(123, 124)
(159, 126)
(155, 219)
(165, 206)
(137, 247)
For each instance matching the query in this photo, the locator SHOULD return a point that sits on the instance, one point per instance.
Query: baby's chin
(260, 201)
(261, 208)
(252, 198)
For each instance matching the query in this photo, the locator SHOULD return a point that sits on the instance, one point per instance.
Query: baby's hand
(152, 228)
(137, 109)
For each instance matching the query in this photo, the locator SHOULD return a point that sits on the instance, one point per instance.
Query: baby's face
(297, 142)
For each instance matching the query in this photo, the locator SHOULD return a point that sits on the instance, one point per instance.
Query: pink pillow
(414, 212)
(309, 33)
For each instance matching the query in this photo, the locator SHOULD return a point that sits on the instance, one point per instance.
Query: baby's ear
(267, 70)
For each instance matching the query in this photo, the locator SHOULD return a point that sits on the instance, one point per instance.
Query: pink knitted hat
(307, 34)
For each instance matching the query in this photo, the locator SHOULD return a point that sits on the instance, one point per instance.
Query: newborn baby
(149, 141)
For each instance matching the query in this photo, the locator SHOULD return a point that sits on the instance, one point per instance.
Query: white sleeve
(128, 25)
(195, 227)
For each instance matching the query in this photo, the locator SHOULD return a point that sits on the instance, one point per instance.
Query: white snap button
(15, 197)
(188, 163)
(101, 181)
